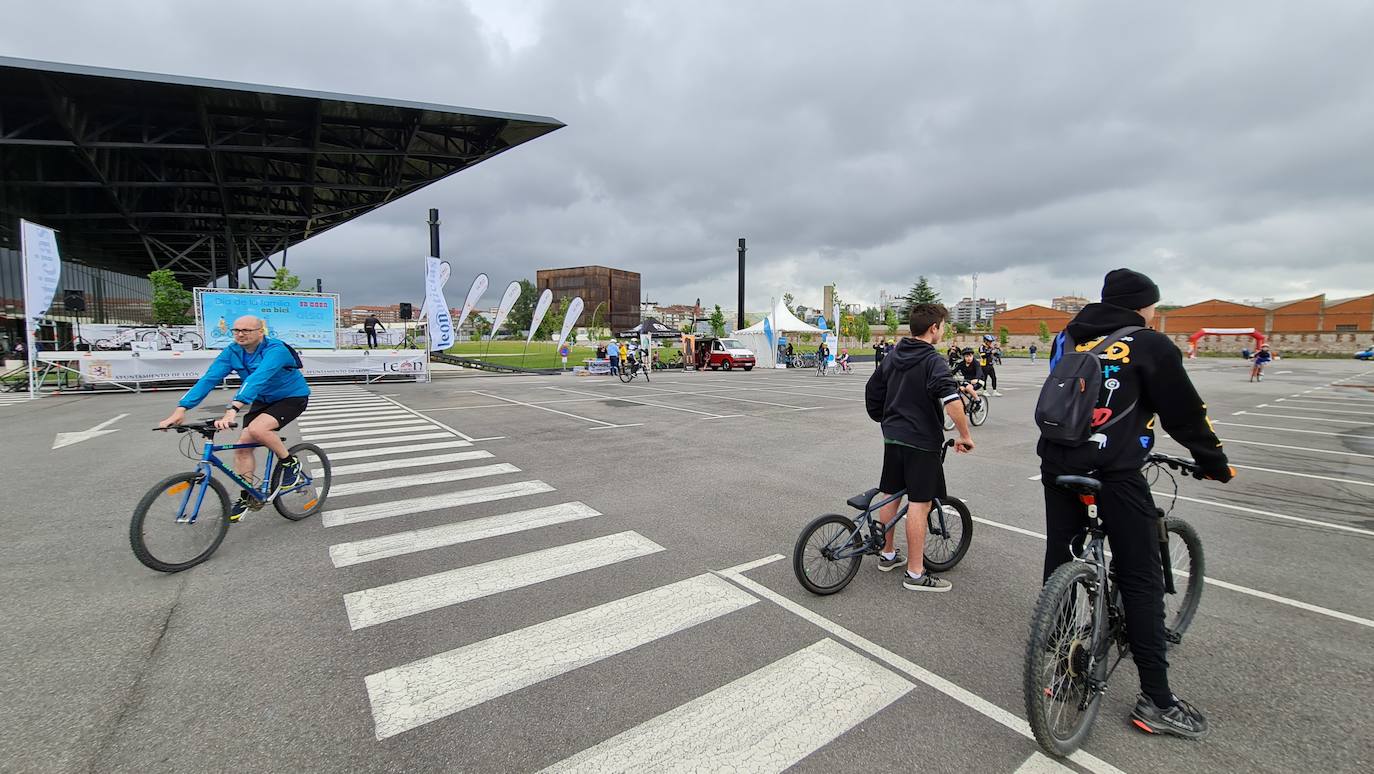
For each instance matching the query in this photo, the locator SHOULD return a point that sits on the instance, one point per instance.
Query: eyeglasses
(237, 331)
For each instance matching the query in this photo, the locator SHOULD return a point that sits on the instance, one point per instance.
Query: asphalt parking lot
(516, 573)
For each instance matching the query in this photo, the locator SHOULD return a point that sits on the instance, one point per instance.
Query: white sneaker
(996, 394)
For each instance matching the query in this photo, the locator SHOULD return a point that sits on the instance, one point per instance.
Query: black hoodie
(1146, 370)
(907, 393)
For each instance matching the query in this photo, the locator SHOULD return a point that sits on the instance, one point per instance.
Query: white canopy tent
(780, 321)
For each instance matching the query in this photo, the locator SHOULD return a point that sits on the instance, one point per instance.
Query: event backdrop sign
(303, 320)
(160, 366)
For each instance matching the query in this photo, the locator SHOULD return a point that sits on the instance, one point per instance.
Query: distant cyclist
(972, 373)
(987, 358)
(273, 391)
(1262, 358)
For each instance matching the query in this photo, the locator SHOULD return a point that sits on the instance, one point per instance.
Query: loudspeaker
(74, 300)
(405, 311)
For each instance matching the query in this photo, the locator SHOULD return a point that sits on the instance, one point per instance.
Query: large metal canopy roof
(141, 171)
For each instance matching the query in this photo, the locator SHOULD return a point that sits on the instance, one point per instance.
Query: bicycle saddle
(1079, 484)
(861, 501)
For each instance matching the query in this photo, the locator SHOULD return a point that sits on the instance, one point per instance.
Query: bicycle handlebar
(206, 428)
(1181, 464)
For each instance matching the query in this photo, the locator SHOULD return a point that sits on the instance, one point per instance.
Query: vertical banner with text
(42, 270)
(441, 329)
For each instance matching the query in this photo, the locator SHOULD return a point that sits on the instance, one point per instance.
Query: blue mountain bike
(174, 528)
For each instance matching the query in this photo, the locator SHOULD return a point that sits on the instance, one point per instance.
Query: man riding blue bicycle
(273, 390)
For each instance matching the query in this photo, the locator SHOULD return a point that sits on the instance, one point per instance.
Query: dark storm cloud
(1222, 146)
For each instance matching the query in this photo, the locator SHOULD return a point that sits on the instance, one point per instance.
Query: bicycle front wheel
(307, 497)
(949, 531)
(1186, 562)
(818, 571)
(175, 526)
(626, 375)
(979, 412)
(1061, 703)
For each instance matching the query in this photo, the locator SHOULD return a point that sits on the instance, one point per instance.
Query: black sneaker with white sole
(888, 565)
(926, 582)
(1182, 719)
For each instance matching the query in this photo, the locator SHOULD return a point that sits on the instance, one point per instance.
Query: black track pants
(1129, 517)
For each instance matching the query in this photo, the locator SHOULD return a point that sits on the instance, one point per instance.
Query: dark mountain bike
(1078, 631)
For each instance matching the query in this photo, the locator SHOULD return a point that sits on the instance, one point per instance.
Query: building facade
(610, 297)
(111, 298)
(970, 312)
(1070, 304)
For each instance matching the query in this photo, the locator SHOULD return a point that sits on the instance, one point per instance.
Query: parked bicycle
(829, 550)
(1079, 619)
(164, 338)
(171, 532)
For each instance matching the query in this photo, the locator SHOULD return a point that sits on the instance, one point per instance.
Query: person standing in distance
(1143, 375)
(370, 326)
(613, 353)
(905, 396)
(274, 392)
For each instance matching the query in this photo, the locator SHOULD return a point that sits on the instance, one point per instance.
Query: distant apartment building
(611, 296)
(888, 299)
(970, 312)
(675, 315)
(1070, 304)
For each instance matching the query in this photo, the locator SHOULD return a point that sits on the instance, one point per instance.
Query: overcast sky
(1225, 148)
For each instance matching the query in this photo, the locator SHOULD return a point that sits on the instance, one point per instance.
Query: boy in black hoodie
(905, 394)
(1143, 375)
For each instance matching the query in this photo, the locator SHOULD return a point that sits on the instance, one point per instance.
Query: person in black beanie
(1143, 375)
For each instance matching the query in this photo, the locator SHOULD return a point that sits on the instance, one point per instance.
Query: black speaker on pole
(405, 311)
(74, 300)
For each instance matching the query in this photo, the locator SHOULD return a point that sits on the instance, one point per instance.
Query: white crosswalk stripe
(412, 462)
(763, 722)
(331, 445)
(430, 592)
(334, 517)
(350, 413)
(383, 451)
(421, 479)
(395, 421)
(422, 691)
(418, 424)
(387, 546)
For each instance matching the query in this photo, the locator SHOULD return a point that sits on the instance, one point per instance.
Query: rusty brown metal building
(611, 296)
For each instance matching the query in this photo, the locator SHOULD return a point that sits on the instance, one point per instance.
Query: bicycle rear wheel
(979, 412)
(161, 534)
(949, 531)
(625, 374)
(307, 498)
(817, 572)
(1186, 561)
(1059, 668)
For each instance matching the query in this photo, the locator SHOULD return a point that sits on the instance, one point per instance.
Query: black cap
(1129, 289)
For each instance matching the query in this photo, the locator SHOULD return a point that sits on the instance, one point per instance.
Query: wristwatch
(231, 407)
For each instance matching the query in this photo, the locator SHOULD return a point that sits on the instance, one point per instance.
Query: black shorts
(283, 410)
(917, 471)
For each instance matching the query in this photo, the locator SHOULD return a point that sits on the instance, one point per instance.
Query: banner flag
(441, 331)
(479, 286)
(768, 330)
(507, 301)
(540, 309)
(42, 267)
(570, 319)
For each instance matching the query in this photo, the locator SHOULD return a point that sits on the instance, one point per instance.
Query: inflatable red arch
(1193, 339)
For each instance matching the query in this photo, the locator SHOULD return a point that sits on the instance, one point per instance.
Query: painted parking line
(423, 691)
(408, 462)
(1272, 514)
(707, 414)
(1298, 448)
(1317, 410)
(1295, 430)
(393, 601)
(742, 400)
(607, 425)
(412, 541)
(766, 721)
(421, 479)
(1302, 419)
(335, 517)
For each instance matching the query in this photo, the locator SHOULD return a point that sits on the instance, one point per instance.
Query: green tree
(922, 293)
(1003, 336)
(171, 301)
(1044, 333)
(861, 330)
(522, 310)
(718, 322)
(961, 328)
(787, 300)
(872, 315)
(890, 320)
(687, 328)
(284, 280)
(481, 326)
(553, 319)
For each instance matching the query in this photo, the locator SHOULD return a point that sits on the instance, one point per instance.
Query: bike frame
(209, 462)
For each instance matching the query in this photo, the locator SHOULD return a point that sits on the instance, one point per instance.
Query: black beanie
(1129, 289)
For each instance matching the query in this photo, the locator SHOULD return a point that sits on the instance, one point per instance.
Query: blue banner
(304, 321)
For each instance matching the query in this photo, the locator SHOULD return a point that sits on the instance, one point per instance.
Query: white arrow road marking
(67, 439)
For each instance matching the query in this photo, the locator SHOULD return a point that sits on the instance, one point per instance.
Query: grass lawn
(542, 354)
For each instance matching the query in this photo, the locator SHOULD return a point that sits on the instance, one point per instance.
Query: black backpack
(1064, 412)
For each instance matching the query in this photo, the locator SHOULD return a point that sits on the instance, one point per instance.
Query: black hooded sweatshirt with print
(907, 393)
(1144, 370)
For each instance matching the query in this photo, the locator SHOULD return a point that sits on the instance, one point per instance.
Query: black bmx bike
(1078, 631)
(829, 550)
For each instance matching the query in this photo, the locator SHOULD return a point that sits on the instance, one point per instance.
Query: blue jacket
(269, 374)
